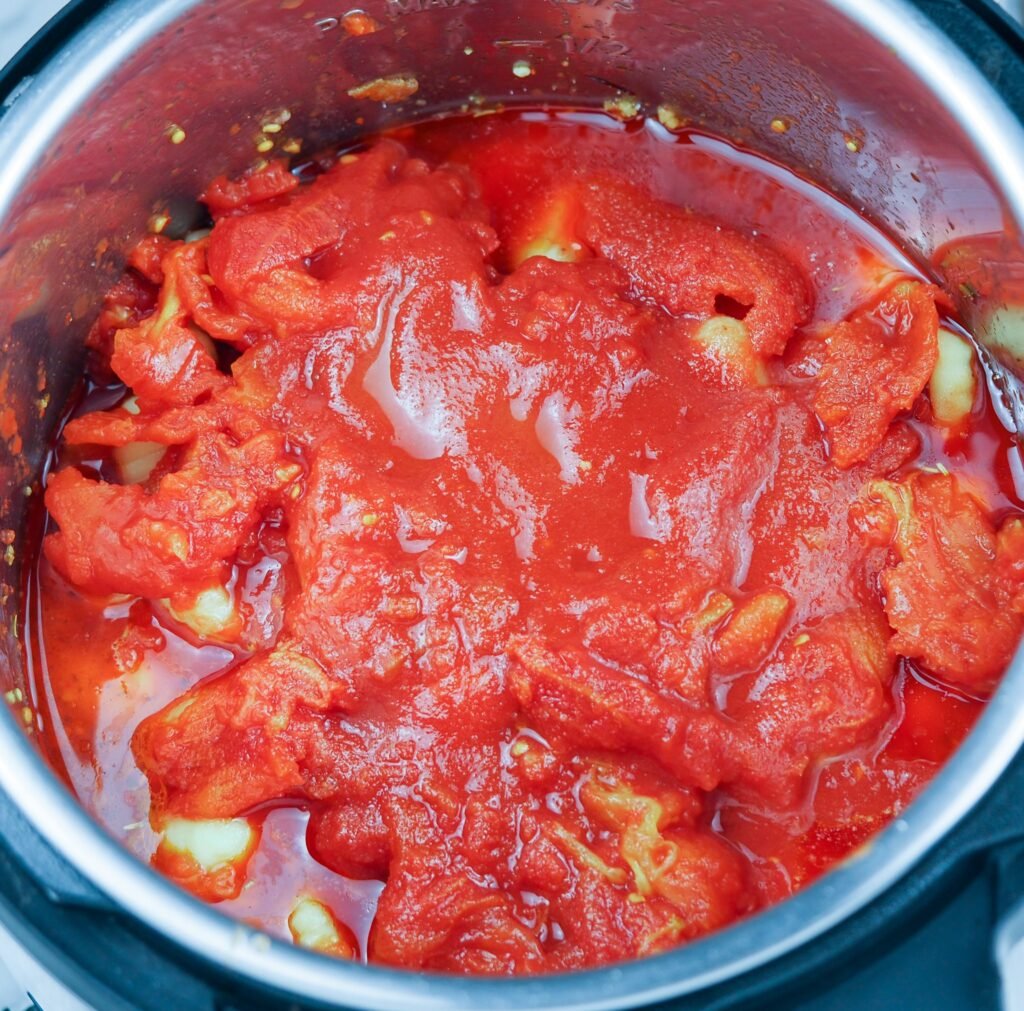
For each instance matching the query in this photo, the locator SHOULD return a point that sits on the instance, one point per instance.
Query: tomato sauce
(520, 543)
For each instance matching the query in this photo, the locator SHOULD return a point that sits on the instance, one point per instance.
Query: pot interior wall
(799, 82)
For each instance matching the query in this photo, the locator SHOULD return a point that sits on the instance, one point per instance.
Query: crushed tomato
(520, 544)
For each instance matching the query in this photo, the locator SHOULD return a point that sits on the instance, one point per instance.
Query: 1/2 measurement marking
(572, 45)
(595, 46)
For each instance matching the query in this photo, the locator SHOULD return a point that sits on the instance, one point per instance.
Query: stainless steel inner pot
(881, 108)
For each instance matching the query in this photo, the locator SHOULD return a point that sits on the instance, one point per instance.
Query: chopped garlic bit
(136, 461)
(670, 117)
(550, 233)
(204, 339)
(953, 383)
(211, 844)
(313, 926)
(623, 106)
(717, 607)
(748, 638)
(211, 615)
(585, 856)
(177, 711)
(1005, 331)
(728, 341)
(276, 117)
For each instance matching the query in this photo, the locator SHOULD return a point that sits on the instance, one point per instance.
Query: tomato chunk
(686, 263)
(124, 539)
(822, 694)
(952, 594)
(876, 365)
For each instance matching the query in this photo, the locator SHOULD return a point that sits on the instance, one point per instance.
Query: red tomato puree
(520, 543)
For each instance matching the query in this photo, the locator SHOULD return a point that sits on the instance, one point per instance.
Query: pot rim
(83, 62)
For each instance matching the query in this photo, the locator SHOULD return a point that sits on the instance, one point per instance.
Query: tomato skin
(225, 196)
(877, 365)
(549, 555)
(147, 257)
(823, 695)
(257, 260)
(125, 304)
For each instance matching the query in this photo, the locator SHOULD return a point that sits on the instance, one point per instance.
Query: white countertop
(20, 19)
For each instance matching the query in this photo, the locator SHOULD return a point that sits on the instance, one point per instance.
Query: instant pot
(121, 111)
